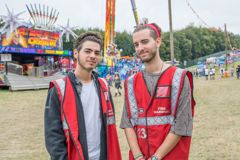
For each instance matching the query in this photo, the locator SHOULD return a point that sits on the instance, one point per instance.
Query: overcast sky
(91, 13)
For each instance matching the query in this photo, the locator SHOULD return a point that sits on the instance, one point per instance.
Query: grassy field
(216, 132)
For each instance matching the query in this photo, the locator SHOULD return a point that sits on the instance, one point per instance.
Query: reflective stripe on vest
(61, 84)
(113, 149)
(132, 101)
(175, 87)
(151, 121)
(110, 120)
(158, 120)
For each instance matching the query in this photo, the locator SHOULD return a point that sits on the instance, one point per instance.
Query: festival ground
(216, 123)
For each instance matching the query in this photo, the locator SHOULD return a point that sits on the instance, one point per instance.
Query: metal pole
(134, 8)
(171, 32)
(225, 39)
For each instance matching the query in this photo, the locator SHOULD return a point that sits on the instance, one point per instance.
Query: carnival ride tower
(110, 48)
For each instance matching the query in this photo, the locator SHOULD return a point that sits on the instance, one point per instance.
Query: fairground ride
(30, 45)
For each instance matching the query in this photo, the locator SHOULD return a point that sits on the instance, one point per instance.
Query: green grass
(215, 134)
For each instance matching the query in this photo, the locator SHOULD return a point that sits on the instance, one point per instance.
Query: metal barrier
(41, 71)
(15, 68)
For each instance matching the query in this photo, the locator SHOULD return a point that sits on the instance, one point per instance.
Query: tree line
(189, 43)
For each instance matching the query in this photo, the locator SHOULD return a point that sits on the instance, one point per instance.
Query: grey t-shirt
(91, 108)
(182, 124)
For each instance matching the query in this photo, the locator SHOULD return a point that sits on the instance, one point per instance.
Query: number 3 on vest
(142, 133)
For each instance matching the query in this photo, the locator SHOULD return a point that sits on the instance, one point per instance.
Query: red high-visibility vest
(70, 119)
(152, 116)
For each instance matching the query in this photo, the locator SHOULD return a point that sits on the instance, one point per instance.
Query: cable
(227, 36)
(189, 5)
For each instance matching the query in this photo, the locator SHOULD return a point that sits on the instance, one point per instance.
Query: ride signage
(33, 41)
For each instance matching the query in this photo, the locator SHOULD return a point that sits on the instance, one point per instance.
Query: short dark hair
(153, 33)
(88, 36)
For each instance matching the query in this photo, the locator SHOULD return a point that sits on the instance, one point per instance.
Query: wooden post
(171, 32)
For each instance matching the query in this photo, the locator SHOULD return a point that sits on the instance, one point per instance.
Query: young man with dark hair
(159, 103)
(79, 112)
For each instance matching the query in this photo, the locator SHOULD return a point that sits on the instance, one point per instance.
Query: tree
(189, 43)
(124, 42)
(165, 47)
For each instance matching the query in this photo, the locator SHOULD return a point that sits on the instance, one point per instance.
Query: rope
(196, 14)
(204, 22)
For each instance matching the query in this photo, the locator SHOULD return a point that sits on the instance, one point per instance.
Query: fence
(30, 70)
(203, 59)
(14, 68)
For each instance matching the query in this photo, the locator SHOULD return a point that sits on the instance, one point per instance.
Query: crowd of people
(210, 73)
